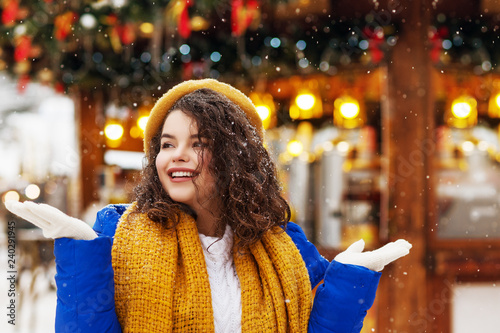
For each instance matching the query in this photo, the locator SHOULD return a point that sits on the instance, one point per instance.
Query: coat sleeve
(84, 279)
(346, 294)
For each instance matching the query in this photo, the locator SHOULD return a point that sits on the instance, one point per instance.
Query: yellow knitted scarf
(162, 285)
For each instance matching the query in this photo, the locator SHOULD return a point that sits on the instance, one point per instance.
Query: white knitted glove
(376, 259)
(53, 222)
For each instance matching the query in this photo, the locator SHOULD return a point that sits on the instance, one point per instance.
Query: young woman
(207, 245)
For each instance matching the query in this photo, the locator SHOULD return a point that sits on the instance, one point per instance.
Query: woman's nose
(180, 154)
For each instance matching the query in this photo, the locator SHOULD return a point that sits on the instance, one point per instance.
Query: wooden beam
(89, 106)
(408, 147)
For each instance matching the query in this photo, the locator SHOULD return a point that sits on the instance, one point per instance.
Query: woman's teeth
(182, 174)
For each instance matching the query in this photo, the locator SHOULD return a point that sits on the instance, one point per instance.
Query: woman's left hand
(376, 259)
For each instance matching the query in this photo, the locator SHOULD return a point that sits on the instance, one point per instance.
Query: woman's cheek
(160, 162)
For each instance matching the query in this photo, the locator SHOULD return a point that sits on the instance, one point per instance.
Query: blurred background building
(382, 116)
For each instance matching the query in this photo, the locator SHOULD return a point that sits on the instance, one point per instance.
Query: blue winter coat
(85, 286)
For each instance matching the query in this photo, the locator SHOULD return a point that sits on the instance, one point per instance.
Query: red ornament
(22, 83)
(59, 87)
(63, 24)
(436, 41)
(9, 13)
(375, 39)
(23, 48)
(111, 19)
(184, 24)
(126, 33)
(242, 16)
(187, 71)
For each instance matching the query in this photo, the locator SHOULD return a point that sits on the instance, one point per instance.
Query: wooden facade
(416, 293)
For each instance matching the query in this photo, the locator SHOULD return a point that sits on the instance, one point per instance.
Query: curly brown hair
(246, 182)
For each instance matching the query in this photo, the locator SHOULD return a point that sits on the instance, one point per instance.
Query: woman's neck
(207, 222)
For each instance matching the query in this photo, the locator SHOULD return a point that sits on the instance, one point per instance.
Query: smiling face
(182, 163)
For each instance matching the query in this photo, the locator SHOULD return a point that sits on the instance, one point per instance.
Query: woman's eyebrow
(170, 136)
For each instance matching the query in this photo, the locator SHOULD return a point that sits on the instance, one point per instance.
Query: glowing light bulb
(142, 121)
(461, 110)
(264, 111)
(468, 146)
(497, 100)
(349, 110)
(146, 28)
(343, 146)
(32, 191)
(113, 131)
(295, 147)
(305, 101)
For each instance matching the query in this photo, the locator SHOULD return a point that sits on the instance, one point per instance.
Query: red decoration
(63, 25)
(187, 71)
(242, 16)
(23, 48)
(9, 13)
(436, 40)
(375, 40)
(59, 87)
(23, 83)
(126, 33)
(184, 24)
(111, 19)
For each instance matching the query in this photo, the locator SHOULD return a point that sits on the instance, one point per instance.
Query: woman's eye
(199, 144)
(166, 145)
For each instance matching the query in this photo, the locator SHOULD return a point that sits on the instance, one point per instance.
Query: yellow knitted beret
(165, 103)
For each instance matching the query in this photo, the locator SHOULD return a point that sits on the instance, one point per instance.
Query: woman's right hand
(53, 222)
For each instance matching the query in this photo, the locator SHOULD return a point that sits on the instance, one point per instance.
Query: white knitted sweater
(224, 282)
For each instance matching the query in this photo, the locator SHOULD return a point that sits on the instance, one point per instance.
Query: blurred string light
(343, 146)
(256, 61)
(118, 3)
(32, 191)
(486, 66)
(137, 130)
(462, 113)
(275, 42)
(142, 121)
(301, 45)
(11, 195)
(494, 102)
(467, 146)
(215, 56)
(146, 28)
(446, 44)
(184, 49)
(364, 44)
(199, 23)
(303, 63)
(146, 57)
(88, 21)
